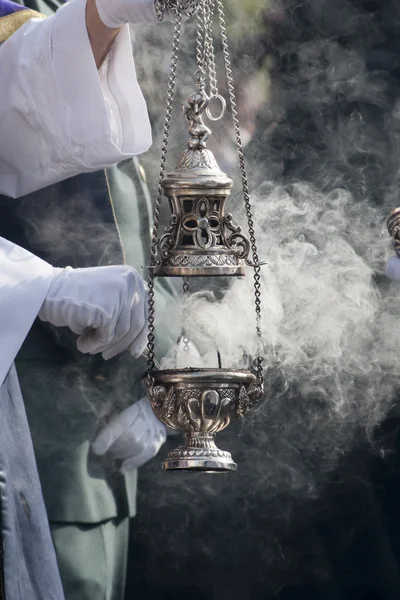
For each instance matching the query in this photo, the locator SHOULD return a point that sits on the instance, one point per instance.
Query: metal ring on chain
(223, 108)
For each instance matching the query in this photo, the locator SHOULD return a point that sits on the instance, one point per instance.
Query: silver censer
(201, 240)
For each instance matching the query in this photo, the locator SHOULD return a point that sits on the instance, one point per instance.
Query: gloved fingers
(78, 317)
(93, 340)
(148, 413)
(393, 268)
(136, 331)
(112, 333)
(138, 343)
(102, 305)
(131, 442)
(157, 427)
(117, 426)
(138, 346)
(148, 452)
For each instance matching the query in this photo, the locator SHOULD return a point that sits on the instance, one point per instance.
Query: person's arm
(101, 37)
(105, 306)
(59, 115)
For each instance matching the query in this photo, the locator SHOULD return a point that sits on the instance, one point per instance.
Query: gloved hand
(135, 436)
(393, 268)
(115, 13)
(105, 306)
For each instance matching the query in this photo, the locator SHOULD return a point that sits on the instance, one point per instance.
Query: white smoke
(331, 319)
(331, 337)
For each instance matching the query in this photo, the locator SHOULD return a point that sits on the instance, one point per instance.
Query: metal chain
(185, 286)
(167, 124)
(246, 193)
(209, 9)
(200, 50)
(184, 8)
(186, 293)
(205, 57)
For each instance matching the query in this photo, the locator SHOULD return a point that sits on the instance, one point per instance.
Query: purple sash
(7, 7)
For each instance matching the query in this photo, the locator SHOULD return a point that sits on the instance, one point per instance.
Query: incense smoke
(323, 165)
(330, 340)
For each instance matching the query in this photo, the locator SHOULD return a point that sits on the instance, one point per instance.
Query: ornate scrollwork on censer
(195, 410)
(237, 239)
(202, 260)
(167, 240)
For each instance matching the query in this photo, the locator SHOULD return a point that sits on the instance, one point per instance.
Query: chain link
(205, 56)
(186, 294)
(167, 124)
(200, 53)
(209, 9)
(246, 193)
(183, 8)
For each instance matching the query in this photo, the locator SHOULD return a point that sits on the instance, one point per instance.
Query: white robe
(59, 117)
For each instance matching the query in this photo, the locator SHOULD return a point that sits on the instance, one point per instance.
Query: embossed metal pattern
(199, 403)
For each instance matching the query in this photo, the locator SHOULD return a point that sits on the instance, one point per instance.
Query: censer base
(199, 453)
(199, 403)
(186, 459)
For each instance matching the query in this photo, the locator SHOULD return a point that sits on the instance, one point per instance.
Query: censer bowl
(199, 403)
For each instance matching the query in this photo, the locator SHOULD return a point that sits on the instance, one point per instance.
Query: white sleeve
(24, 282)
(58, 115)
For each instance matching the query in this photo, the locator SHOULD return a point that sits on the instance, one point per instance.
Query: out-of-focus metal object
(393, 225)
(201, 240)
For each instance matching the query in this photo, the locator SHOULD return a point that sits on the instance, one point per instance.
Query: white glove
(105, 306)
(393, 268)
(115, 13)
(135, 436)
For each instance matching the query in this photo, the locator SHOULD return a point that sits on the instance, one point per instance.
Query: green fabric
(92, 559)
(69, 400)
(66, 407)
(69, 397)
